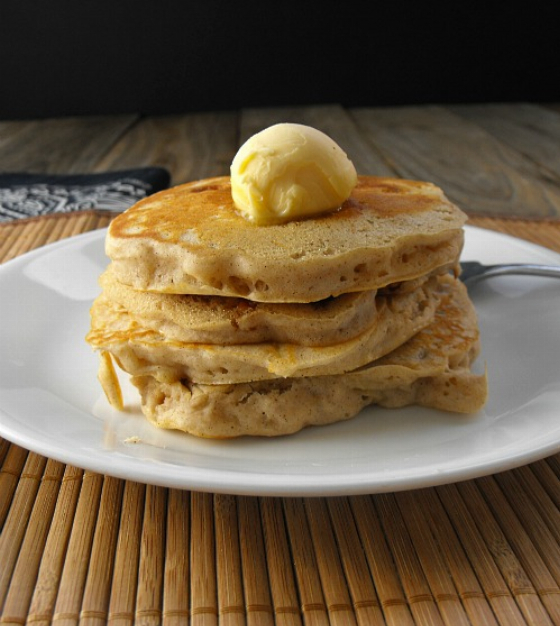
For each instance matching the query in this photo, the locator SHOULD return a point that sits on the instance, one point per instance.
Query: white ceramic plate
(51, 402)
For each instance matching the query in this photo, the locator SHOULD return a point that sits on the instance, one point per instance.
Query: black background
(63, 57)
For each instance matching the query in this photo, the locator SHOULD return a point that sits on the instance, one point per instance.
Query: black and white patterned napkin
(31, 195)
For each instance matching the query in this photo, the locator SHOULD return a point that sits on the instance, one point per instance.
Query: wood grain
(188, 146)
(60, 554)
(230, 583)
(127, 556)
(94, 609)
(422, 603)
(429, 512)
(329, 563)
(312, 600)
(204, 588)
(149, 593)
(431, 558)
(475, 169)
(12, 467)
(15, 527)
(360, 584)
(71, 145)
(33, 541)
(176, 597)
(258, 601)
(531, 130)
(380, 562)
(280, 572)
(464, 519)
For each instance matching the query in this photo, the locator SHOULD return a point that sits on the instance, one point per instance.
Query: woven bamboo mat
(77, 547)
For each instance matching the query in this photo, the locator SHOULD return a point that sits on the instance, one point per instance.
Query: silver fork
(473, 271)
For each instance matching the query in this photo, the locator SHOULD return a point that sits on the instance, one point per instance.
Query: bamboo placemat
(78, 547)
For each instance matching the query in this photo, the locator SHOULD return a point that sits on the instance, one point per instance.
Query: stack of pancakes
(228, 328)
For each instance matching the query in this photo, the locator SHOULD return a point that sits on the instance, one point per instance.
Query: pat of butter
(290, 171)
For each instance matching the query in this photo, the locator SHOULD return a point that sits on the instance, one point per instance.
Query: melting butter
(290, 171)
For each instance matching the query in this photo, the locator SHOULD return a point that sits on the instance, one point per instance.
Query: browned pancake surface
(191, 239)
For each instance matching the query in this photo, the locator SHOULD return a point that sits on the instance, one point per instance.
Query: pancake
(227, 321)
(190, 239)
(432, 369)
(146, 351)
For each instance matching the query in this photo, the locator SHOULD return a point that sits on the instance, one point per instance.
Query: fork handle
(524, 268)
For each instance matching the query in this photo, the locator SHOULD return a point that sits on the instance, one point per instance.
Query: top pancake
(191, 239)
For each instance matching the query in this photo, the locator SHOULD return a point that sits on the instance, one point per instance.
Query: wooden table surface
(79, 547)
(490, 159)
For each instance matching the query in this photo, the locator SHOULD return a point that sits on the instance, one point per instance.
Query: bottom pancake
(432, 369)
(283, 407)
